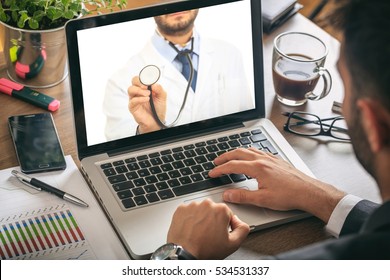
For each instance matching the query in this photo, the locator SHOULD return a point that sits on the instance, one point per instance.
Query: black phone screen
(36, 143)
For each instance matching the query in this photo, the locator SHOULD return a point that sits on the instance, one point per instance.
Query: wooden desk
(330, 161)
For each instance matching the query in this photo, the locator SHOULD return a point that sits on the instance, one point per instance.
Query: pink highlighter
(26, 94)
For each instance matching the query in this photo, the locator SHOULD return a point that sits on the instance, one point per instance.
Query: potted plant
(34, 36)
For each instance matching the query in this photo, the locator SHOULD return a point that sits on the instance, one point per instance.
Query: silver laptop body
(97, 48)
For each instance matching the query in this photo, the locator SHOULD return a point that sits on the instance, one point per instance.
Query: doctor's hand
(280, 185)
(202, 229)
(139, 105)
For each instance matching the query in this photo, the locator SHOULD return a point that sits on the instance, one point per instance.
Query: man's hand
(280, 185)
(202, 228)
(139, 105)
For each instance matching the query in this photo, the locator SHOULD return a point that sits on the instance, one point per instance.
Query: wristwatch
(171, 251)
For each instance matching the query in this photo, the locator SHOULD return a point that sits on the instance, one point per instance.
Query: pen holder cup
(35, 58)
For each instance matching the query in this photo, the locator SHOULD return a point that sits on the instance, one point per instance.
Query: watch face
(164, 252)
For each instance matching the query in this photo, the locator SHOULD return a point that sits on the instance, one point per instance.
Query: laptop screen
(158, 72)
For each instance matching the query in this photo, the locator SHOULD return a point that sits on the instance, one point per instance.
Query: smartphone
(36, 142)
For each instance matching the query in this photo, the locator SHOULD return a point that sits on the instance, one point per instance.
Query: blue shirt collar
(167, 51)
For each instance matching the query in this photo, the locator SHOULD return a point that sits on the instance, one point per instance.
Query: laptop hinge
(170, 140)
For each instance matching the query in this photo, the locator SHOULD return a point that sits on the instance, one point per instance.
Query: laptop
(141, 178)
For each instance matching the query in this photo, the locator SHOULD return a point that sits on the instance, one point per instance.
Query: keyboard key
(155, 170)
(173, 183)
(106, 165)
(200, 144)
(154, 155)
(124, 194)
(139, 182)
(128, 203)
(208, 165)
(256, 131)
(190, 153)
(189, 147)
(162, 186)
(109, 172)
(201, 151)
(143, 172)
(150, 188)
(234, 143)
(185, 171)
(200, 159)
(166, 152)
(138, 191)
(197, 168)
(132, 175)
(116, 178)
(133, 166)
(123, 186)
(223, 139)
(118, 162)
(151, 179)
(203, 185)
(245, 134)
(177, 164)
(211, 142)
(267, 144)
(245, 141)
(189, 162)
(166, 167)
(145, 164)
(179, 156)
(258, 137)
(196, 177)
(211, 157)
(130, 160)
(177, 149)
(174, 174)
(143, 157)
(140, 200)
(152, 197)
(185, 180)
(223, 146)
(234, 136)
(156, 161)
(165, 194)
(162, 177)
(167, 158)
(212, 148)
(237, 177)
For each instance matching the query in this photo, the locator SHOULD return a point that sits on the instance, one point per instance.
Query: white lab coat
(221, 87)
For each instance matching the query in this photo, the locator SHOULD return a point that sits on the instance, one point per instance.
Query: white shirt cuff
(340, 213)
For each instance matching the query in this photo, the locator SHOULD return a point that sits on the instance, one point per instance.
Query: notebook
(141, 178)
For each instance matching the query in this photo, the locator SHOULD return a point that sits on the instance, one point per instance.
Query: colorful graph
(41, 233)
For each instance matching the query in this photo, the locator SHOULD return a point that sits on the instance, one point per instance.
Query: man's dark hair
(365, 26)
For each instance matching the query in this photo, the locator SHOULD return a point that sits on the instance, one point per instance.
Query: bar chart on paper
(51, 232)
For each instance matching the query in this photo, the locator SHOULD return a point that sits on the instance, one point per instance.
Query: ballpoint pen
(39, 185)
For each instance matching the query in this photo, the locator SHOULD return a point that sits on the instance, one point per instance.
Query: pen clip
(29, 185)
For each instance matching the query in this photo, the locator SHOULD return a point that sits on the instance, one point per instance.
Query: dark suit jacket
(365, 235)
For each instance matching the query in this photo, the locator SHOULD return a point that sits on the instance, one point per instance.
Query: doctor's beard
(176, 24)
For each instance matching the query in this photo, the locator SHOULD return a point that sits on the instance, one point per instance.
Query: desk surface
(330, 161)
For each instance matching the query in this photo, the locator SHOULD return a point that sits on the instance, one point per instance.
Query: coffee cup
(297, 65)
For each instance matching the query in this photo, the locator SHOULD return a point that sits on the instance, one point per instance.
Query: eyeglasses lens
(339, 129)
(305, 124)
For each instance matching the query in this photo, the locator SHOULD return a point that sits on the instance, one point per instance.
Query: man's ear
(376, 123)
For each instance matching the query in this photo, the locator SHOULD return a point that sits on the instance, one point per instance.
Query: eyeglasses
(306, 124)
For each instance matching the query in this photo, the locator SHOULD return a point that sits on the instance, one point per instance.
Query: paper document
(38, 225)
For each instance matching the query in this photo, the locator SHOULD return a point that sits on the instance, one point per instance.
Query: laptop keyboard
(159, 176)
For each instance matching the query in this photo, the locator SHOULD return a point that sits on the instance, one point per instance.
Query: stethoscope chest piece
(149, 75)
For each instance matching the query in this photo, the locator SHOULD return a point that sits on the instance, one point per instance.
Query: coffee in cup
(297, 65)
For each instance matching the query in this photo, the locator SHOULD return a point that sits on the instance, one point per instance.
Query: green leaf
(33, 23)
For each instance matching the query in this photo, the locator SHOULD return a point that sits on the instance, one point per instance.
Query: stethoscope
(150, 74)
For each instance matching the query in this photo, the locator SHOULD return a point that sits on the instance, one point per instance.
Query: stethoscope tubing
(187, 53)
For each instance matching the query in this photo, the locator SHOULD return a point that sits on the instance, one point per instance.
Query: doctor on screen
(218, 87)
